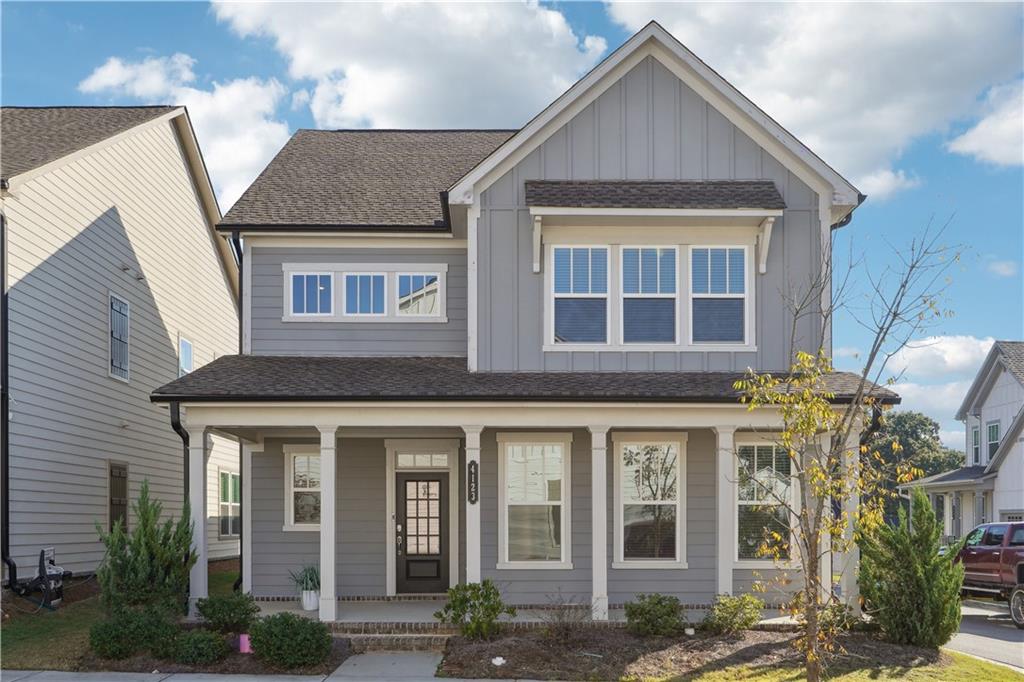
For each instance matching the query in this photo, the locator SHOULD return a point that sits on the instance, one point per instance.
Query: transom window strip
(534, 498)
(718, 290)
(650, 500)
(312, 293)
(649, 295)
(364, 294)
(581, 294)
(763, 490)
(421, 460)
(305, 484)
(418, 294)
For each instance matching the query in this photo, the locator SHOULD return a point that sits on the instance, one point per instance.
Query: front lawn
(613, 654)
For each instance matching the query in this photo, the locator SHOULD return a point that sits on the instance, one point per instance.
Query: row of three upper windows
(366, 294)
(647, 295)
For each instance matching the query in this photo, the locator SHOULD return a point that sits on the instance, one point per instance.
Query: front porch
(362, 541)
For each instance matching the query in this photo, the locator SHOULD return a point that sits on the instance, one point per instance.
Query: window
(312, 293)
(974, 537)
(364, 294)
(580, 294)
(419, 295)
(650, 500)
(302, 485)
(718, 292)
(230, 504)
(421, 460)
(117, 484)
(1017, 538)
(763, 489)
(648, 295)
(993, 438)
(533, 489)
(976, 444)
(119, 337)
(994, 536)
(185, 361)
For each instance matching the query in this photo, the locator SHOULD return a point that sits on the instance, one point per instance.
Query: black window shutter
(119, 495)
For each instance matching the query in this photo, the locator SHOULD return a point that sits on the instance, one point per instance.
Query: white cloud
(885, 182)
(952, 438)
(848, 352)
(234, 121)
(1002, 268)
(300, 98)
(856, 82)
(941, 356)
(422, 64)
(998, 138)
(938, 401)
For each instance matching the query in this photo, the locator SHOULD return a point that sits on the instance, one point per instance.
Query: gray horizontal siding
(648, 125)
(272, 336)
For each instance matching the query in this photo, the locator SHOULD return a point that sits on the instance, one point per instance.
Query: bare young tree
(828, 469)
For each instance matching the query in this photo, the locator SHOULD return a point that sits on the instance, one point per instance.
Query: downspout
(236, 243)
(5, 406)
(183, 434)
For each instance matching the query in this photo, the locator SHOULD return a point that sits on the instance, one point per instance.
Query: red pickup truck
(993, 559)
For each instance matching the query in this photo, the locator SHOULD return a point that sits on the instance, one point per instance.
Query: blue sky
(929, 133)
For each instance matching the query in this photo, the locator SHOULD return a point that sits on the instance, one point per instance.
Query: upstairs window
(648, 295)
(763, 491)
(185, 358)
(975, 445)
(119, 337)
(364, 294)
(312, 293)
(719, 295)
(580, 294)
(419, 295)
(993, 439)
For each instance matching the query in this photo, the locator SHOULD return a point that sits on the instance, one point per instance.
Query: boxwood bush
(200, 647)
(729, 615)
(131, 631)
(474, 608)
(114, 637)
(231, 613)
(654, 614)
(287, 641)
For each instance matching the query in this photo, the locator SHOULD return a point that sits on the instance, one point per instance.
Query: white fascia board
(982, 382)
(653, 40)
(657, 212)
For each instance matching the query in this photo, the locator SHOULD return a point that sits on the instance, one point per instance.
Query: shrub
(654, 614)
(909, 589)
(474, 608)
(306, 579)
(290, 641)
(150, 566)
(200, 647)
(130, 631)
(565, 617)
(229, 614)
(836, 618)
(114, 638)
(729, 614)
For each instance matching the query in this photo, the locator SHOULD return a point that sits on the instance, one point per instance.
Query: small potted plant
(307, 581)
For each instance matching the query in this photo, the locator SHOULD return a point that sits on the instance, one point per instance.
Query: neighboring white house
(990, 486)
(115, 283)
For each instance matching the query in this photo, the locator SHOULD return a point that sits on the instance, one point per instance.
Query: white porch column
(472, 502)
(825, 542)
(198, 457)
(850, 559)
(967, 523)
(947, 514)
(246, 470)
(725, 486)
(328, 520)
(599, 521)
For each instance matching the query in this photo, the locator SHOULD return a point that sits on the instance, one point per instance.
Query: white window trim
(192, 347)
(976, 445)
(622, 295)
(110, 340)
(542, 438)
(390, 272)
(433, 317)
(679, 439)
(345, 314)
(290, 451)
(549, 276)
(220, 504)
(989, 442)
(290, 314)
(794, 490)
(747, 296)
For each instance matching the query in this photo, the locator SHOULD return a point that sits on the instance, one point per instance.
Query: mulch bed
(612, 654)
(236, 663)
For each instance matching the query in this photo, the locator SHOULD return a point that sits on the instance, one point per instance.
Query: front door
(421, 532)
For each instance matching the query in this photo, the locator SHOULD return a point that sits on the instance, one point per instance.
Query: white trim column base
(328, 522)
(599, 521)
(725, 497)
(472, 509)
(199, 444)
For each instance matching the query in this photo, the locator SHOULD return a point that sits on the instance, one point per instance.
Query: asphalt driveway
(986, 631)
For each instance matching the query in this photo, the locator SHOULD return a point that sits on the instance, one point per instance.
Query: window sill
(646, 348)
(762, 564)
(648, 564)
(299, 529)
(534, 565)
(363, 319)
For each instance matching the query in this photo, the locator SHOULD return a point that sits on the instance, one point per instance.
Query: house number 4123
(473, 481)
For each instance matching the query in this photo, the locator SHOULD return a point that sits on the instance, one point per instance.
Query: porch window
(580, 294)
(312, 293)
(302, 490)
(649, 295)
(993, 439)
(764, 489)
(718, 295)
(650, 502)
(419, 295)
(534, 505)
(230, 504)
(364, 294)
(975, 445)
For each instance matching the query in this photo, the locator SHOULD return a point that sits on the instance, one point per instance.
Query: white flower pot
(310, 600)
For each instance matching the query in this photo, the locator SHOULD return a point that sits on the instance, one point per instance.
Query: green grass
(222, 582)
(961, 668)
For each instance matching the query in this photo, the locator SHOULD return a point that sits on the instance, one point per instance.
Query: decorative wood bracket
(536, 242)
(763, 240)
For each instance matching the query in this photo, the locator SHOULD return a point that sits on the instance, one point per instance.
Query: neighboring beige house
(115, 284)
(990, 487)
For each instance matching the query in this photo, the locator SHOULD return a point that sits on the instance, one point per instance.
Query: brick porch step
(392, 628)
(395, 642)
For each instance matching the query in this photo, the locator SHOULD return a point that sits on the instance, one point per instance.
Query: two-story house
(510, 354)
(990, 485)
(115, 282)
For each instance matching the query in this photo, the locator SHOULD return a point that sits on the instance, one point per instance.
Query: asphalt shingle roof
(362, 178)
(697, 194)
(1013, 357)
(970, 473)
(292, 378)
(31, 137)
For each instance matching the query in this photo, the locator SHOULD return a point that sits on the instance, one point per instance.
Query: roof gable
(1003, 356)
(654, 41)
